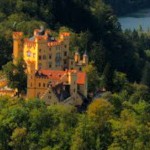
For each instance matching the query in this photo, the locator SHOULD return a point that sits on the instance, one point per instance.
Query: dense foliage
(16, 76)
(116, 121)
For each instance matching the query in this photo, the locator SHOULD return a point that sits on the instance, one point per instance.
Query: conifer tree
(107, 77)
(146, 74)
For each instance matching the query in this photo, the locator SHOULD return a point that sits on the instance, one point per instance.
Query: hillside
(119, 64)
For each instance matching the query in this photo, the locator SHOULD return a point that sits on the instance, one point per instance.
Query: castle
(54, 74)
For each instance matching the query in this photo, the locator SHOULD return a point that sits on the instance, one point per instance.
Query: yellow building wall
(36, 86)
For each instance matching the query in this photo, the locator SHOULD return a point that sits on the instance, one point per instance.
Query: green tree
(18, 139)
(92, 76)
(107, 78)
(94, 130)
(99, 56)
(146, 73)
(15, 73)
(119, 81)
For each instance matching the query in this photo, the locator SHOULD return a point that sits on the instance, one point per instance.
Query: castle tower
(85, 58)
(73, 84)
(17, 45)
(31, 82)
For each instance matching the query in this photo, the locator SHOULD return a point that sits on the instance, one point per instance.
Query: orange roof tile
(54, 74)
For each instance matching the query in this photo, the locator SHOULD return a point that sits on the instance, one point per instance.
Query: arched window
(39, 84)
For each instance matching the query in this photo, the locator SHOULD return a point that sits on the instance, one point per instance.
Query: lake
(134, 20)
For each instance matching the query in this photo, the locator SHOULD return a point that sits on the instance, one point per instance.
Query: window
(65, 53)
(50, 64)
(65, 46)
(39, 84)
(50, 56)
(39, 57)
(58, 63)
(28, 53)
(65, 62)
(39, 50)
(49, 49)
(57, 55)
(43, 84)
(58, 59)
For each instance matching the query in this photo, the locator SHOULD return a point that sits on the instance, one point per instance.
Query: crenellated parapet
(17, 35)
(54, 43)
(29, 43)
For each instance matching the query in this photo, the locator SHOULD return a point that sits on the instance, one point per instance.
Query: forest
(118, 121)
(119, 62)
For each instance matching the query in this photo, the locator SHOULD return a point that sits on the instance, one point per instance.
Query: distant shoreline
(135, 20)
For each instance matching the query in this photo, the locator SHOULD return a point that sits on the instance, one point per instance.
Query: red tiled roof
(57, 74)
(53, 74)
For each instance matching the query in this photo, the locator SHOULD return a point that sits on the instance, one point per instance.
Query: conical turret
(85, 58)
(77, 57)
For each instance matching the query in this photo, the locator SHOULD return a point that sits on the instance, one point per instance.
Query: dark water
(135, 20)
